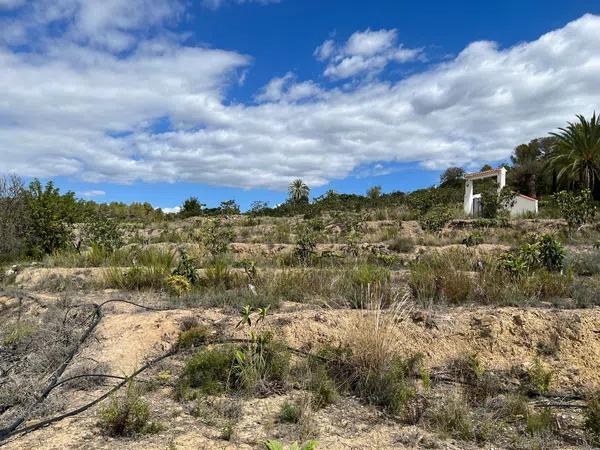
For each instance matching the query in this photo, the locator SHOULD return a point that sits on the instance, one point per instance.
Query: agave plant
(577, 151)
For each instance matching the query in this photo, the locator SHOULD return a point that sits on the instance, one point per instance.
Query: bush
(585, 264)
(179, 285)
(194, 337)
(454, 417)
(538, 378)
(218, 275)
(186, 268)
(290, 413)
(473, 240)
(435, 219)
(216, 237)
(102, 232)
(540, 422)
(127, 414)
(402, 244)
(305, 245)
(577, 208)
(586, 293)
(322, 387)
(136, 278)
(592, 416)
(209, 370)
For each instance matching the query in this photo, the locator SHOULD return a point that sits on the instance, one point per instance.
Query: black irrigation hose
(53, 383)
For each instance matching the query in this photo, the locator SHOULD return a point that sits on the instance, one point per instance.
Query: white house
(472, 205)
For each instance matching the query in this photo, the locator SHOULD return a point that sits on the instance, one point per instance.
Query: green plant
(179, 285)
(209, 370)
(323, 389)
(186, 268)
(219, 275)
(551, 252)
(194, 337)
(435, 219)
(127, 414)
(577, 208)
(496, 204)
(454, 417)
(473, 240)
(540, 422)
(592, 415)
(276, 445)
(366, 281)
(402, 244)
(102, 232)
(305, 244)
(216, 237)
(538, 378)
(290, 413)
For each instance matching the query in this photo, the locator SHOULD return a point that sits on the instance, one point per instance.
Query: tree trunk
(531, 185)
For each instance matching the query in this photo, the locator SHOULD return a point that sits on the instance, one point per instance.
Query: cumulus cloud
(215, 4)
(287, 89)
(364, 53)
(173, 210)
(87, 112)
(105, 23)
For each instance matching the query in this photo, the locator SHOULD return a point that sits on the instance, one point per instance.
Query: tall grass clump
(150, 270)
(365, 282)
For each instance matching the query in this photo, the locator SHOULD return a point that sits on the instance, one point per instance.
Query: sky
(160, 100)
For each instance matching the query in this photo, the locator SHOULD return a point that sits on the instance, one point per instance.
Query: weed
(179, 285)
(402, 244)
(473, 239)
(454, 417)
(194, 337)
(538, 423)
(276, 445)
(538, 378)
(290, 412)
(186, 268)
(127, 414)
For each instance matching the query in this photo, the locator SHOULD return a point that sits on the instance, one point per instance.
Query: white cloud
(286, 89)
(93, 193)
(215, 4)
(83, 112)
(365, 53)
(173, 210)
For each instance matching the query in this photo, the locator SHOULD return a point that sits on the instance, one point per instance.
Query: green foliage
(576, 153)
(323, 389)
(496, 204)
(592, 416)
(209, 370)
(127, 414)
(50, 218)
(290, 412)
(305, 244)
(538, 378)
(298, 192)
(216, 237)
(454, 417)
(186, 268)
(374, 192)
(435, 219)
(179, 285)
(473, 239)
(229, 207)
(194, 337)
(402, 244)
(540, 422)
(366, 281)
(577, 208)
(543, 251)
(191, 207)
(102, 232)
(276, 445)
(219, 275)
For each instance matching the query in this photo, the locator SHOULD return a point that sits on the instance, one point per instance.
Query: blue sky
(139, 100)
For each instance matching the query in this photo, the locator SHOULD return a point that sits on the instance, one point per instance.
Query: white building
(472, 205)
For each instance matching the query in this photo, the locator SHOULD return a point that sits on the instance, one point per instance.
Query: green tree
(577, 152)
(191, 207)
(229, 207)
(51, 217)
(298, 192)
(452, 176)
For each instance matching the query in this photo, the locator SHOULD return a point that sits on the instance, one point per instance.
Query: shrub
(276, 445)
(585, 264)
(179, 285)
(551, 252)
(219, 275)
(576, 208)
(127, 414)
(586, 293)
(368, 281)
(216, 237)
(186, 268)
(305, 245)
(136, 278)
(209, 370)
(538, 378)
(454, 417)
(402, 244)
(592, 416)
(496, 204)
(322, 387)
(435, 219)
(290, 413)
(473, 240)
(540, 422)
(194, 337)
(102, 232)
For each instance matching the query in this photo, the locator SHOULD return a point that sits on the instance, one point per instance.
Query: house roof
(527, 197)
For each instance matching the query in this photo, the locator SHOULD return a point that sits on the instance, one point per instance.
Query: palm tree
(298, 191)
(577, 151)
